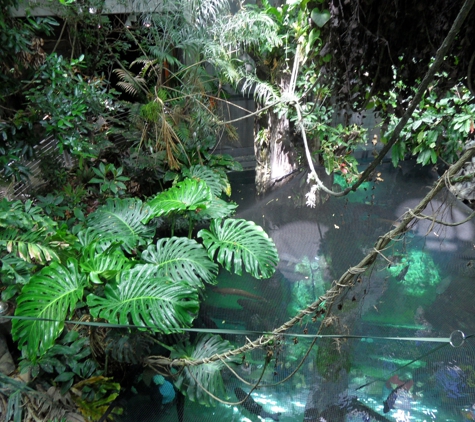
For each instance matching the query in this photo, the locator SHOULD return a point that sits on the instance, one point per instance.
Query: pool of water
(391, 328)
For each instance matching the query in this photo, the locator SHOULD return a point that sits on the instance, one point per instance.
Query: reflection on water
(419, 288)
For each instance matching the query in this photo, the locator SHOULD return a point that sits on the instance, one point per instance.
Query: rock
(7, 366)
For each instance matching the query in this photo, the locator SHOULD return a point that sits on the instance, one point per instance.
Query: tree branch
(439, 58)
(434, 67)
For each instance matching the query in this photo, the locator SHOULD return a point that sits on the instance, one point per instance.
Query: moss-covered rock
(417, 272)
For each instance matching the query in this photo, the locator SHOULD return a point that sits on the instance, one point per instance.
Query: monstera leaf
(121, 220)
(30, 246)
(237, 243)
(51, 294)
(141, 298)
(217, 209)
(191, 380)
(106, 263)
(89, 235)
(180, 258)
(189, 195)
(217, 182)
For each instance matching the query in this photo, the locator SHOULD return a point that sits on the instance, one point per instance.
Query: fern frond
(130, 83)
(264, 93)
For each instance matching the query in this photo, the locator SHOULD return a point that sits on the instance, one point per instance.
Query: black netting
(395, 346)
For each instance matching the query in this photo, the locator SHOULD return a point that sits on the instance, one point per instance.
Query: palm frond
(264, 93)
(246, 29)
(204, 11)
(46, 300)
(143, 299)
(192, 380)
(237, 243)
(180, 258)
(120, 220)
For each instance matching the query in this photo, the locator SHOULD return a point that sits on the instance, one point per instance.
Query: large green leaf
(189, 195)
(237, 243)
(217, 182)
(120, 220)
(180, 258)
(190, 380)
(217, 209)
(106, 264)
(50, 294)
(143, 299)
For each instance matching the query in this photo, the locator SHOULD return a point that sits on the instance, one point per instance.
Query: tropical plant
(115, 270)
(192, 378)
(51, 204)
(70, 357)
(110, 180)
(21, 51)
(181, 112)
(67, 104)
(438, 129)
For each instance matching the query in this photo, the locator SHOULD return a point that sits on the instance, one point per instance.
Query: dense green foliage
(133, 231)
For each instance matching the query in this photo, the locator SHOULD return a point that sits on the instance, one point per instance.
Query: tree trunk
(274, 146)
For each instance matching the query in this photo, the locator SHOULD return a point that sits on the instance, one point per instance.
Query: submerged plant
(417, 272)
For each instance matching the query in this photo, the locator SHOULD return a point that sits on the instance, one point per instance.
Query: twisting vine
(161, 363)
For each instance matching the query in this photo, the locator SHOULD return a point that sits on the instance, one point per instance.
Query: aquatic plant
(417, 272)
(309, 287)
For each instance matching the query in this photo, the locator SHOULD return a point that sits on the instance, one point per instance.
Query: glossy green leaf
(217, 208)
(189, 195)
(105, 264)
(191, 380)
(215, 181)
(180, 258)
(141, 298)
(120, 220)
(238, 244)
(50, 294)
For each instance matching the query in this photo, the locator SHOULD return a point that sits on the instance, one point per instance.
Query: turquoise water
(421, 288)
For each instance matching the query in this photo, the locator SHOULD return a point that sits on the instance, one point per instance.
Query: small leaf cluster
(110, 179)
(438, 129)
(68, 359)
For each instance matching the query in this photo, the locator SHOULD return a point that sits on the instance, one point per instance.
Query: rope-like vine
(161, 363)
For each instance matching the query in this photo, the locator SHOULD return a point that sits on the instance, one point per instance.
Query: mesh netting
(396, 343)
